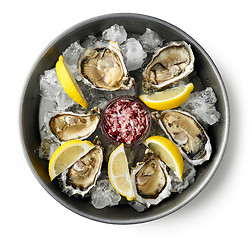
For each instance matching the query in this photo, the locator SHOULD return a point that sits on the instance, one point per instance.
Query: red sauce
(125, 121)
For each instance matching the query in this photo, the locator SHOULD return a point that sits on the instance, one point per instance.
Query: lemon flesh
(66, 155)
(168, 152)
(68, 82)
(167, 99)
(118, 172)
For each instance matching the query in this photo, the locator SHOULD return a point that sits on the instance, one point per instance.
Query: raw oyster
(65, 126)
(168, 65)
(83, 174)
(186, 132)
(101, 66)
(150, 180)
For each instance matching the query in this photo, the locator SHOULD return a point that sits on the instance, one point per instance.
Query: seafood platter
(124, 123)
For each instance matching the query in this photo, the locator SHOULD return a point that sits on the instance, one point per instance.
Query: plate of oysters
(124, 118)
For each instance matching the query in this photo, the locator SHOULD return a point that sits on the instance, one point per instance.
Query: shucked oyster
(65, 126)
(102, 67)
(186, 132)
(168, 65)
(151, 182)
(83, 174)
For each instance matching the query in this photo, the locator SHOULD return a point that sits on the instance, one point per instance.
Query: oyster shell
(150, 180)
(168, 65)
(186, 132)
(101, 66)
(83, 174)
(65, 126)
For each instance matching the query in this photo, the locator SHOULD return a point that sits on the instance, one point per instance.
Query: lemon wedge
(68, 82)
(168, 152)
(167, 99)
(118, 172)
(66, 155)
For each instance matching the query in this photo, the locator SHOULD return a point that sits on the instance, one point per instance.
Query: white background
(221, 210)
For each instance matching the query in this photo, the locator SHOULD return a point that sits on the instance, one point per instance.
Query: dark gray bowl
(134, 23)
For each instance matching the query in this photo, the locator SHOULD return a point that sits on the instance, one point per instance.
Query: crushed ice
(103, 194)
(202, 106)
(150, 41)
(49, 85)
(134, 54)
(71, 55)
(63, 101)
(51, 90)
(188, 177)
(116, 33)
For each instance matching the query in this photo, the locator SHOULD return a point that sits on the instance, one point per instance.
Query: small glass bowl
(142, 137)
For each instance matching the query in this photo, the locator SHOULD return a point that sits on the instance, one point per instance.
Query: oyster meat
(101, 66)
(83, 174)
(151, 182)
(186, 132)
(65, 126)
(168, 65)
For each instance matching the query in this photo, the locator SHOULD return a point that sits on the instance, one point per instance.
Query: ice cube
(49, 85)
(75, 72)
(116, 33)
(71, 56)
(103, 194)
(140, 207)
(188, 177)
(63, 101)
(202, 106)
(150, 41)
(90, 40)
(133, 53)
(72, 53)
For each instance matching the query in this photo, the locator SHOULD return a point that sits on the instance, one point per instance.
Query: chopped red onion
(125, 121)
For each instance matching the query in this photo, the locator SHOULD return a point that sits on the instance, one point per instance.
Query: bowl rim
(226, 109)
